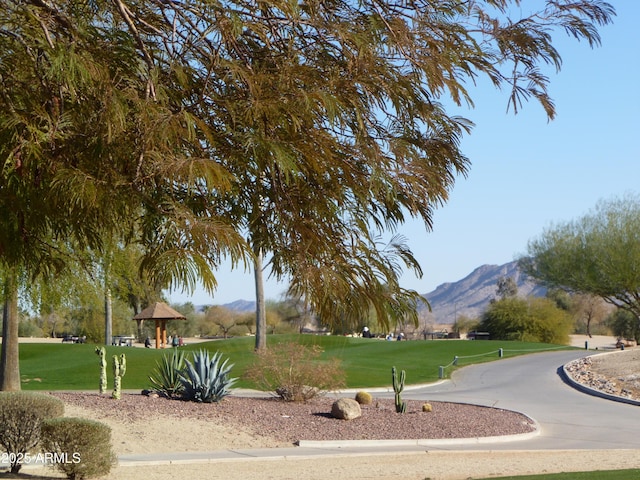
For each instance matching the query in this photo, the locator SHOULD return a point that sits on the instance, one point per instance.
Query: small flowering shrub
(295, 373)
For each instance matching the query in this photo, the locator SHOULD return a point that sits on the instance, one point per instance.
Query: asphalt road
(530, 384)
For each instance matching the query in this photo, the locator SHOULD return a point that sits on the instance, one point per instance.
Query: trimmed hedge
(81, 447)
(21, 418)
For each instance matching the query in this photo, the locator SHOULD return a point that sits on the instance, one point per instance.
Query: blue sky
(526, 173)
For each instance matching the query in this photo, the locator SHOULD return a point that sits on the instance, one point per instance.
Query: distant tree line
(549, 319)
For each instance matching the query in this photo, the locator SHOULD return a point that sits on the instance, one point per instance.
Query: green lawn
(599, 475)
(367, 362)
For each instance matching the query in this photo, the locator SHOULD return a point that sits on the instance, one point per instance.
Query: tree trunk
(9, 360)
(139, 330)
(137, 308)
(108, 317)
(261, 314)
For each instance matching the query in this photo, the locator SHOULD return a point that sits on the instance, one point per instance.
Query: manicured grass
(367, 362)
(599, 475)
(77, 367)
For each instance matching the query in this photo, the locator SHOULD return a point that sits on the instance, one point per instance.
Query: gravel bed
(615, 373)
(291, 422)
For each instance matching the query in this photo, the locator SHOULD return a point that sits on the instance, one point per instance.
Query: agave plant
(166, 377)
(206, 379)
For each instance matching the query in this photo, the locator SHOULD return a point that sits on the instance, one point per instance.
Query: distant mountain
(241, 305)
(471, 295)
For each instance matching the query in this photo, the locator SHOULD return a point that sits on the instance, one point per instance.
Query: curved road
(531, 384)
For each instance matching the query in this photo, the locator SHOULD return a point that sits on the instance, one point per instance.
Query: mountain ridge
(471, 295)
(468, 296)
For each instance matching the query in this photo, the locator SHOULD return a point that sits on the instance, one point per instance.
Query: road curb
(429, 442)
(592, 391)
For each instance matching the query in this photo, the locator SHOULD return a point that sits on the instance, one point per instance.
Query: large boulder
(346, 409)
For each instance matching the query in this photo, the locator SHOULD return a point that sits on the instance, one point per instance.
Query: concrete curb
(592, 391)
(389, 389)
(431, 442)
(246, 392)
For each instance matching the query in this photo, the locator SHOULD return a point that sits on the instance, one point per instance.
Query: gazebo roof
(159, 311)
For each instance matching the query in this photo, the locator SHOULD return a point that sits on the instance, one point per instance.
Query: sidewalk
(596, 342)
(319, 449)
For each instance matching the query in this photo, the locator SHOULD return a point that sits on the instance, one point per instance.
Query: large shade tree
(327, 116)
(91, 151)
(597, 254)
(311, 128)
(338, 134)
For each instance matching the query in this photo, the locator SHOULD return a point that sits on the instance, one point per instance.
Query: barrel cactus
(364, 398)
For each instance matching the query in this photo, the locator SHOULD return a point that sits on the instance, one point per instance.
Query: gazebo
(160, 312)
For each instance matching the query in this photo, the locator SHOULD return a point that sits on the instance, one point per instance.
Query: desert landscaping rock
(346, 409)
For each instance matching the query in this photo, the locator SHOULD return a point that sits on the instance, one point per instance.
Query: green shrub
(295, 373)
(166, 376)
(82, 448)
(531, 320)
(624, 324)
(206, 379)
(364, 398)
(21, 417)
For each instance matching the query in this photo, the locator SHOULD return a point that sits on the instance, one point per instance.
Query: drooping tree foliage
(90, 153)
(66, 301)
(597, 254)
(93, 150)
(311, 129)
(337, 130)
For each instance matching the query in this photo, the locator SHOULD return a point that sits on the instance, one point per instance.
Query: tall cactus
(102, 352)
(119, 369)
(398, 386)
